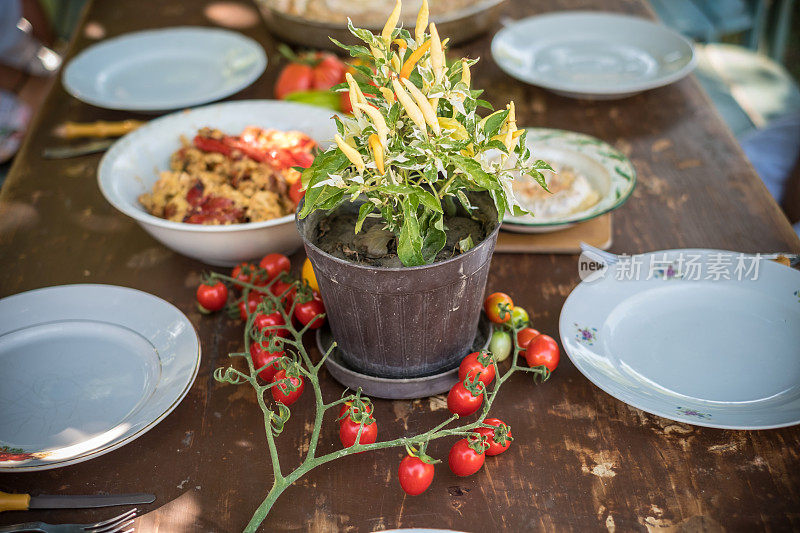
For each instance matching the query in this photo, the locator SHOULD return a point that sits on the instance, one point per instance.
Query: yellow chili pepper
(424, 105)
(377, 152)
(377, 120)
(501, 136)
(352, 154)
(459, 132)
(466, 77)
(387, 94)
(412, 60)
(391, 23)
(422, 22)
(356, 96)
(469, 151)
(437, 54)
(413, 112)
(396, 65)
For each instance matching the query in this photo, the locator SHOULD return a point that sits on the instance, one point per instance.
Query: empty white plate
(585, 54)
(159, 70)
(87, 369)
(705, 337)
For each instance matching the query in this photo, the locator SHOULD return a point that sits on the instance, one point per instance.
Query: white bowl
(132, 165)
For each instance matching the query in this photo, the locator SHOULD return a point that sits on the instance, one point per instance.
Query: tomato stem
(292, 344)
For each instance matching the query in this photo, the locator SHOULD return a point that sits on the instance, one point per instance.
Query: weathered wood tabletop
(581, 459)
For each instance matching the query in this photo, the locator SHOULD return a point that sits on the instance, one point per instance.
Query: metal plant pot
(401, 322)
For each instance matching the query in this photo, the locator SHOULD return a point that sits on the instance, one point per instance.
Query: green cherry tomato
(519, 317)
(500, 345)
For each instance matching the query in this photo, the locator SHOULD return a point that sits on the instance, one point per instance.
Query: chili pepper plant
(416, 145)
(300, 372)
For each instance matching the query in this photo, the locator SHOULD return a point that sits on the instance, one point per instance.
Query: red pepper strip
(208, 144)
(246, 148)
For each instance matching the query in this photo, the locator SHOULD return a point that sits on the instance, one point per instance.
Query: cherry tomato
(262, 357)
(463, 460)
(519, 317)
(498, 307)
(415, 475)
(306, 311)
(281, 392)
(348, 431)
(212, 297)
(526, 335)
(249, 307)
(329, 71)
(462, 402)
(294, 77)
(243, 272)
(262, 322)
(279, 287)
(500, 345)
(477, 362)
(495, 447)
(296, 193)
(542, 350)
(274, 264)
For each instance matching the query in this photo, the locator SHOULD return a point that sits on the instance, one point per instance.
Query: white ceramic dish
(593, 55)
(131, 167)
(607, 170)
(686, 346)
(159, 70)
(87, 369)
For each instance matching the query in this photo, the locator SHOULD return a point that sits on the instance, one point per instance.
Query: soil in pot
(376, 246)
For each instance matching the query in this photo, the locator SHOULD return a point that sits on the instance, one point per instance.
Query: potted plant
(401, 214)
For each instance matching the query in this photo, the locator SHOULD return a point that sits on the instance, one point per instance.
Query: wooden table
(581, 459)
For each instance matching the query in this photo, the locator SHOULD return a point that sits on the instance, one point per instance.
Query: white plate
(132, 165)
(606, 169)
(687, 346)
(87, 369)
(158, 70)
(584, 54)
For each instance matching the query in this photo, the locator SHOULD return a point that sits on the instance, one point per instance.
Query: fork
(119, 524)
(607, 258)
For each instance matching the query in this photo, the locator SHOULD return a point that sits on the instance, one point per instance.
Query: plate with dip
(591, 178)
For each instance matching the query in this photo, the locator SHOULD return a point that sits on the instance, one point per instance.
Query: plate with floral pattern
(87, 369)
(600, 177)
(704, 337)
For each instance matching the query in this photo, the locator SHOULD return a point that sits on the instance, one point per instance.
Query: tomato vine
(297, 364)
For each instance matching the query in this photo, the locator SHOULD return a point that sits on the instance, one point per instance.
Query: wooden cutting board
(596, 232)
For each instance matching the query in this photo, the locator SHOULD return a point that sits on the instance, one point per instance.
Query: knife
(64, 152)
(23, 502)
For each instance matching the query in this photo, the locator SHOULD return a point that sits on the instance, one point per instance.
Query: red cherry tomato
(495, 447)
(498, 307)
(281, 392)
(249, 307)
(415, 475)
(263, 357)
(348, 431)
(295, 192)
(212, 297)
(477, 362)
(463, 460)
(524, 336)
(274, 264)
(262, 322)
(280, 287)
(306, 311)
(462, 402)
(243, 272)
(542, 350)
(294, 77)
